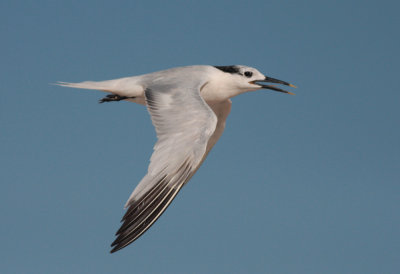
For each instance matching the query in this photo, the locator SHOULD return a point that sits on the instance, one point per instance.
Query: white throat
(221, 88)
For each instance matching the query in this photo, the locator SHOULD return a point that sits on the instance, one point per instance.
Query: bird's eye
(248, 74)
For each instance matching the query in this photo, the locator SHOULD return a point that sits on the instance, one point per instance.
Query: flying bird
(188, 107)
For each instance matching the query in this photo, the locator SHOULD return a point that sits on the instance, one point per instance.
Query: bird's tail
(123, 86)
(108, 86)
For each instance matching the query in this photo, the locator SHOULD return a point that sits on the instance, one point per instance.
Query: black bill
(272, 87)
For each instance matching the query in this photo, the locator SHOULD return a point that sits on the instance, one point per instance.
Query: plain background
(297, 184)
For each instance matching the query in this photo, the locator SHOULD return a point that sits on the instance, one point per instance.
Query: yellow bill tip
(293, 86)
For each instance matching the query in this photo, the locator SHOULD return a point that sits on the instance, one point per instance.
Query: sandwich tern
(188, 107)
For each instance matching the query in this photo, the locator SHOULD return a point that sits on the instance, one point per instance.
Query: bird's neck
(219, 91)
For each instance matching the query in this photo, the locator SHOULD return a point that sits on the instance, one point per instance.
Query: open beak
(272, 87)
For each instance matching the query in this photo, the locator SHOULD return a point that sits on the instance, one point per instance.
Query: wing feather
(184, 123)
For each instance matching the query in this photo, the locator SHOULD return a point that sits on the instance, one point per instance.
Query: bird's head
(249, 79)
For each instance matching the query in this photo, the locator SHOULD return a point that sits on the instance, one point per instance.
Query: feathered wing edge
(142, 213)
(144, 210)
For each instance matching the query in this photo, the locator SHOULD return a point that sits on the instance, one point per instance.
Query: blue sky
(297, 184)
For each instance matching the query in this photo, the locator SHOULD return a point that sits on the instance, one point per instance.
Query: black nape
(229, 69)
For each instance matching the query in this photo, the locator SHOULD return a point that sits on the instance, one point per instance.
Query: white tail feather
(124, 86)
(85, 85)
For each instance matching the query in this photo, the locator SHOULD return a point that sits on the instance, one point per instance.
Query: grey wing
(184, 123)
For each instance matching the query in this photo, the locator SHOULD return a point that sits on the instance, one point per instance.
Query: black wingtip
(116, 246)
(142, 213)
(115, 249)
